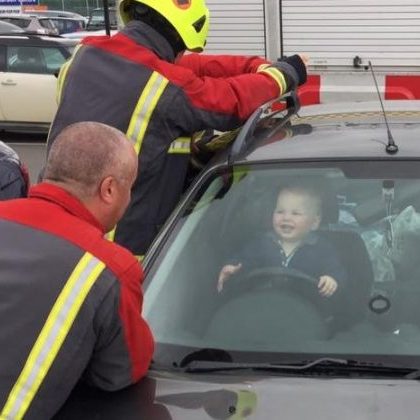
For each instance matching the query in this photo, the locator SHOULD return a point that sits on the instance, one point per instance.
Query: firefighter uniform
(71, 305)
(132, 82)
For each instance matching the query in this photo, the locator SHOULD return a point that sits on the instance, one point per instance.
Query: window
(47, 24)
(371, 223)
(54, 59)
(37, 60)
(2, 58)
(22, 23)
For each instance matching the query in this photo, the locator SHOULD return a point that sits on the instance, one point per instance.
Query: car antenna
(391, 147)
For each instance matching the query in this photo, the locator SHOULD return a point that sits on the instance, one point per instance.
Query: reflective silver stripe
(52, 336)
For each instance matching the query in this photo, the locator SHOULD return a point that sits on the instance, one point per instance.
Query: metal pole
(106, 17)
(281, 29)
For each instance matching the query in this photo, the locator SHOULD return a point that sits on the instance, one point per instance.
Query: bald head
(86, 152)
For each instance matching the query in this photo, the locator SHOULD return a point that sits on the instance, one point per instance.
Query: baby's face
(295, 216)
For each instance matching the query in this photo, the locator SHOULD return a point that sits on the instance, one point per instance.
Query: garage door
(236, 27)
(334, 32)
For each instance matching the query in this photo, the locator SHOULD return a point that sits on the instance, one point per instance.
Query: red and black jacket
(71, 305)
(132, 82)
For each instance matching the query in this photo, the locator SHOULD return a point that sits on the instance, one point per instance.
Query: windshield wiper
(213, 366)
(324, 364)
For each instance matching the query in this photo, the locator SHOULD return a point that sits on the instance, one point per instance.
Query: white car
(82, 34)
(29, 65)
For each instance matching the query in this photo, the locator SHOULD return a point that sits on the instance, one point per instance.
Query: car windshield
(21, 22)
(97, 18)
(363, 231)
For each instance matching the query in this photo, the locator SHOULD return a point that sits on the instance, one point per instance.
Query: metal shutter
(333, 32)
(236, 27)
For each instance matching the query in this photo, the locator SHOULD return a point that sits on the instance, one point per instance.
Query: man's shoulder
(117, 258)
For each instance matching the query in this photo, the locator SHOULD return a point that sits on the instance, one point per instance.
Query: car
(31, 23)
(6, 27)
(264, 347)
(29, 65)
(66, 25)
(58, 13)
(97, 19)
(64, 22)
(78, 36)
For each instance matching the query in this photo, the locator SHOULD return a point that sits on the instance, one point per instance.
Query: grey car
(265, 347)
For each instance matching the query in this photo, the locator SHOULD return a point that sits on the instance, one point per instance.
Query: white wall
(236, 27)
(333, 32)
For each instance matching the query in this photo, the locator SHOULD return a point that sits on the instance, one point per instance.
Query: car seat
(353, 304)
(29, 60)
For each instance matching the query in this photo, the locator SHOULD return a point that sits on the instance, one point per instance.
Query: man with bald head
(74, 299)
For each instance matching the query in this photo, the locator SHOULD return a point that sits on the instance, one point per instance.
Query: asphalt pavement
(31, 149)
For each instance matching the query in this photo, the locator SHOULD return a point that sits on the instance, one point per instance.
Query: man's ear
(107, 189)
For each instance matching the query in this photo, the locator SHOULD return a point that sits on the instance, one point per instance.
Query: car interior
(29, 60)
(270, 309)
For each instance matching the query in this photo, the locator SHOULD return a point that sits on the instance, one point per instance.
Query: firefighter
(140, 82)
(14, 177)
(71, 299)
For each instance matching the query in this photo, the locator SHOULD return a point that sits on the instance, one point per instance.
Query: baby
(293, 242)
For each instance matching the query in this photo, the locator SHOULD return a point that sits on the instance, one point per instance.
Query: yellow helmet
(190, 18)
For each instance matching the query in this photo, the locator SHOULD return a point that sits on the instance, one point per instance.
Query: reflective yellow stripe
(180, 145)
(262, 67)
(141, 116)
(52, 336)
(278, 76)
(144, 109)
(110, 235)
(63, 74)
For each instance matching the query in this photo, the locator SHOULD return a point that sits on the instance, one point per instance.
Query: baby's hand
(327, 286)
(225, 273)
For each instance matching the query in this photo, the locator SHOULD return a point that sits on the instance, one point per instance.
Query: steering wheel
(271, 305)
(273, 278)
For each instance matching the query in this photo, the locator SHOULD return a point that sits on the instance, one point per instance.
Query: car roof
(26, 38)
(54, 13)
(340, 130)
(53, 18)
(82, 34)
(16, 15)
(96, 9)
